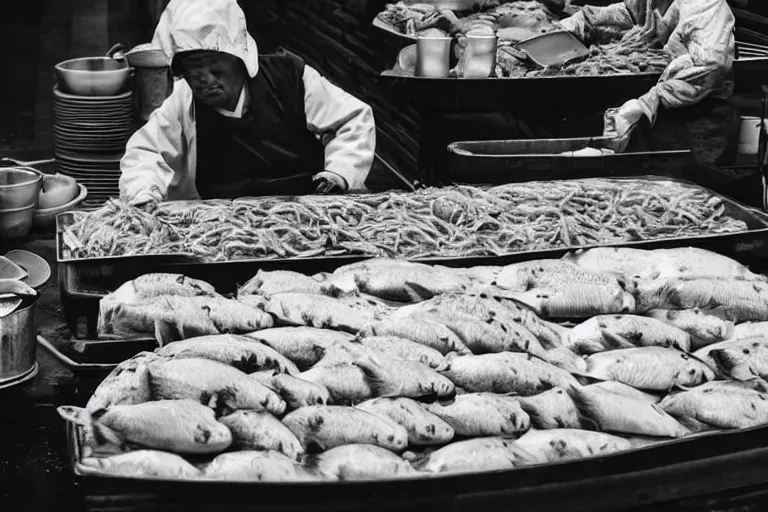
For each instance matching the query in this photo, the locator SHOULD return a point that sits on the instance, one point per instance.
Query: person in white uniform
(690, 107)
(242, 124)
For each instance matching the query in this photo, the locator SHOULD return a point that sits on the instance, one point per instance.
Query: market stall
(587, 335)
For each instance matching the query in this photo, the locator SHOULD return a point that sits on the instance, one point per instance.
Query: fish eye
(746, 351)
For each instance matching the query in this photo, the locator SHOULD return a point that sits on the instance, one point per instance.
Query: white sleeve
(346, 126)
(157, 151)
(702, 45)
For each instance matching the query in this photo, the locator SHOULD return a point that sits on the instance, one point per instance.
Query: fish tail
(417, 292)
(75, 415)
(166, 332)
(373, 374)
(615, 341)
(586, 419)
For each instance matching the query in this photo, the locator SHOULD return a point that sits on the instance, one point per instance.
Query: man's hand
(619, 122)
(148, 207)
(329, 182)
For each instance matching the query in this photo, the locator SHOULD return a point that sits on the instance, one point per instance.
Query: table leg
(428, 148)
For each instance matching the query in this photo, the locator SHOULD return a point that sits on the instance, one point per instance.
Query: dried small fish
(476, 455)
(259, 466)
(551, 409)
(317, 311)
(280, 281)
(483, 415)
(361, 462)
(305, 346)
(140, 464)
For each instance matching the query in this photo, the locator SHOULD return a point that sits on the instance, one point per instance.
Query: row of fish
(419, 369)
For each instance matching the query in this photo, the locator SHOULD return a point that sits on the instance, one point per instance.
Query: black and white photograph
(384, 256)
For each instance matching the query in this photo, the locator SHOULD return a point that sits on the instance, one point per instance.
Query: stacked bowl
(93, 119)
(19, 192)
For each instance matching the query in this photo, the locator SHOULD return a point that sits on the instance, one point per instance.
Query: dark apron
(710, 129)
(270, 151)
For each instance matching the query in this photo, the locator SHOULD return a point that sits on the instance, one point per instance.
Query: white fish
(606, 332)
(569, 444)
(476, 455)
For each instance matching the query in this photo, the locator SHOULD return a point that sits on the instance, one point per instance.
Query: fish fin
(582, 408)
(106, 436)
(417, 292)
(373, 374)
(585, 379)
(615, 341)
(75, 415)
(166, 332)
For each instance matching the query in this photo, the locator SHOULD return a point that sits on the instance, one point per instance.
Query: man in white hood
(239, 124)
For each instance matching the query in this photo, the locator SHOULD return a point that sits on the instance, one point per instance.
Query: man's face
(216, 78)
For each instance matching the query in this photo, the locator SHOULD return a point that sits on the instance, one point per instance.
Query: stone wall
(336, 37)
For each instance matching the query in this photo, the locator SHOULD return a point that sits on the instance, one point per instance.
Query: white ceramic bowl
(46, 219)
(93, 76)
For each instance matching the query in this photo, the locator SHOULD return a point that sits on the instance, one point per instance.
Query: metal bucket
(18, 344)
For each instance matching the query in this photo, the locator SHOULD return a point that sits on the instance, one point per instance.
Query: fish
(179, 426)
(741, 301)
(322, 427)
(300, 393)
(703, 326)
(501, 312)
(578, 301)
(482, 274)
(377, 308)
(475, 456)
(280, 281)
(140, 464)
(317, 311)
(718, 405)
(552, 274)
(613, 412)
(635, 263)
(420, 329)
(551, 409)
(126, 384)
(212, 383)
(696, 263)
(170, 318)
(649, 368)
(744, 361)
(346, 382)
(607, 332)
(424, 428)
(397, 280)
(258, 430)
(564, 444)
(149, 286)
(483, 415)
(259, 466)
(750, 330)
(265, 377)
(751, 348)
(361, 462)
(305, 346)
(407, 350)
(505, 372)
(398, 378)
(241, 352)
(611, 386)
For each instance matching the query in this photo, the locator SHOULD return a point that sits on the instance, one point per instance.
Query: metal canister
(433, 56)
(18, 342)
(480, 55)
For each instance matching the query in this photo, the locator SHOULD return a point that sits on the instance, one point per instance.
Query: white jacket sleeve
(156, 152)
(702, 45)
(346, 127)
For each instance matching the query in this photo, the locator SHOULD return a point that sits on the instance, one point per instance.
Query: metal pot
(18, 342)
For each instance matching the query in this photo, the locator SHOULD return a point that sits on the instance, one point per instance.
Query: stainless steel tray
(83, 282)
(653, 478)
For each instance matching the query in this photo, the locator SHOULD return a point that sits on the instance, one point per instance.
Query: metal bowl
(46, 219)
(19, 187)
(17, 222)
(93, 76)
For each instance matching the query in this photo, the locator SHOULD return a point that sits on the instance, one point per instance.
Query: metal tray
(657, 478)
(508, 161)
(83, 283)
